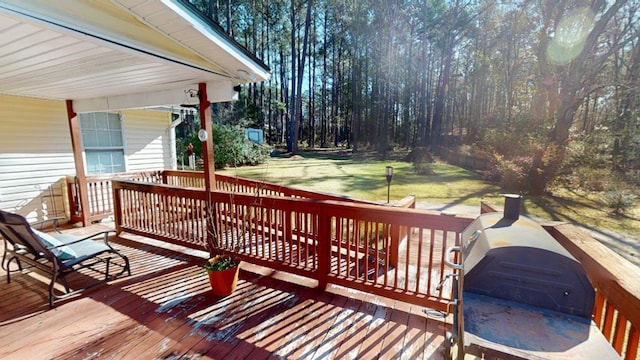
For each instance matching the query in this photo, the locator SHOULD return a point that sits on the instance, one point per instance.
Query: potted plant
(222, 267)
(223, 274)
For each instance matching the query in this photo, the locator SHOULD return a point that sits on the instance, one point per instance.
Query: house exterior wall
(147, 140)
(36, 155)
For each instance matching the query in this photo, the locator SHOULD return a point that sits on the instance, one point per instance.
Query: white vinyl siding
(147, 140)
(35, 156)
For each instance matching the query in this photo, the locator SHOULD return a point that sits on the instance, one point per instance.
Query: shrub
(618, 200)
(421, 160)
(232, 148)
(511, 174)
(508, 143)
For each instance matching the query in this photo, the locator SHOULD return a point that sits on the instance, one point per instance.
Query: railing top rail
(185, 173)
(267, 186)
(162, 189)
(372, 212)
(120, 175)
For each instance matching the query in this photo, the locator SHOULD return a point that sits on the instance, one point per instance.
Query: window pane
(101, 130)
(102, 121)
(114, 121)
(93, 165)
(105, 161)
(115, 137)
(103, 143)
(89, 138)
(87, 122)
(117, 161)
(103, 139)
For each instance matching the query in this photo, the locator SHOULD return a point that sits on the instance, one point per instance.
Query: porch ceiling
(117, 54)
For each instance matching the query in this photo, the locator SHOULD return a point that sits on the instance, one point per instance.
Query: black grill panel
(534, 277)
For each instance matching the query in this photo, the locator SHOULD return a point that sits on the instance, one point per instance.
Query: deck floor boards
(166, 311)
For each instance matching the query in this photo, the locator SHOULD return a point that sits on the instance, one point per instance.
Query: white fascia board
(219, 91)
(216, 38)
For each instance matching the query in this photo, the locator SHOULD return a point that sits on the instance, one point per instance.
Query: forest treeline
(547, 88)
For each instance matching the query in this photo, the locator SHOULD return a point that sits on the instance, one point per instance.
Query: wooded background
(541, 86)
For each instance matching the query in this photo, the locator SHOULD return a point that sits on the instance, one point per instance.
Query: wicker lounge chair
(57, 255)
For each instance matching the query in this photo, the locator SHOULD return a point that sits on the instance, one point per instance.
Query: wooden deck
(166, 311)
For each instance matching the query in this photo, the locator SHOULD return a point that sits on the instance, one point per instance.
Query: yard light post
(389, 176)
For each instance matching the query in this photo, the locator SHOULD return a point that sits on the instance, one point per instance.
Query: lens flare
(570, 36)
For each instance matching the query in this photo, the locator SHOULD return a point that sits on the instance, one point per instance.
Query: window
(102, 141)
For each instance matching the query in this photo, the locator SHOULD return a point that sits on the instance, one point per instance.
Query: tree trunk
(298, 92)
(291, 138)
(229, 28)
(570, 89)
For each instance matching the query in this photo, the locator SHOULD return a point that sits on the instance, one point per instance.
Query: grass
(365, 179)
(585, 209)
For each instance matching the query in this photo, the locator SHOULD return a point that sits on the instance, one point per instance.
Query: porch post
(207, 146)
(76, 145)
(209, 165)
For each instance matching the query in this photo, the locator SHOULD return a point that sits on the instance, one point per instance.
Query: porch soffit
(101, 53)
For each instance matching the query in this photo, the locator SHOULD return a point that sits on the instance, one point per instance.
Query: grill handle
(447, 256)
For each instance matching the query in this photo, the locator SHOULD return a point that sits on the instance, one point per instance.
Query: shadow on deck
(166, 311)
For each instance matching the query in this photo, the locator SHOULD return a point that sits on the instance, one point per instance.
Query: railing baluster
(619, 332)
(633, 338)
(608, 321)
(419, 263)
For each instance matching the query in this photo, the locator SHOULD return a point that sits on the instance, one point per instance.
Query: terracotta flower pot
(224, 282)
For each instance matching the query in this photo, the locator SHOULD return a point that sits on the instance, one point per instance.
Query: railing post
(117, 206)
(164, 177)
(76, 145)
(397, 232)
(324, 248)
(73, 200)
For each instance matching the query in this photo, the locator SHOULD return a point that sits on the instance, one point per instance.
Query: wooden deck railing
(100, 194)
(195, 179)
(101, 204)
(333, 242)
(365, 255)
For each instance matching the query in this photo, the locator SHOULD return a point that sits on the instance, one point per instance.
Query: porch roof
(117, 54)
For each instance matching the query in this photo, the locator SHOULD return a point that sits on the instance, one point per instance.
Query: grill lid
(517, 260)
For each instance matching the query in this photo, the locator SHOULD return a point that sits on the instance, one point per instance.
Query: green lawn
(365, 179)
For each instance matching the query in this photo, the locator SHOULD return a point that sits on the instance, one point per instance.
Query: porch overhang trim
(206, 30)
(219, 91)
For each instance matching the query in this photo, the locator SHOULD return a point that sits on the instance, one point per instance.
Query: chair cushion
(82, 250)
(62, 253)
